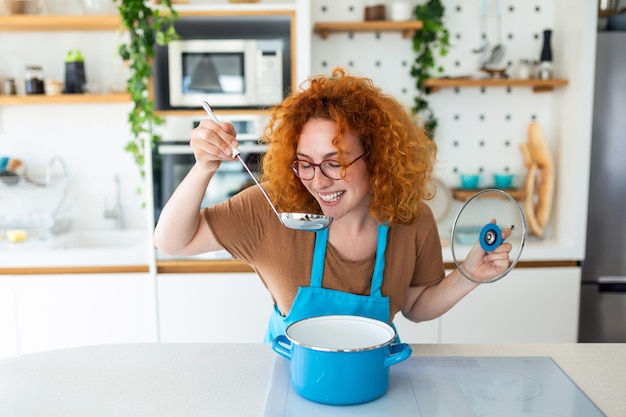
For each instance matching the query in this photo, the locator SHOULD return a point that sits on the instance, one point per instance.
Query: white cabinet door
(530, 305)
(60, 311)
(228, 307)
(235, 308)
(8, 324)
(411, 332)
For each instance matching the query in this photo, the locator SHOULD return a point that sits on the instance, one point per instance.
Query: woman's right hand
(212, 143)
(182, 229)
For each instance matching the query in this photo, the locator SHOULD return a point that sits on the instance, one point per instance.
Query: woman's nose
(320, 180)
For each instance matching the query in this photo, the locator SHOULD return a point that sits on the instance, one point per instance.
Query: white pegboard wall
(480, 130)
(384, 57)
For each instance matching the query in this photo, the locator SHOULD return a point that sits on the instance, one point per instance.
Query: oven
(173, 158)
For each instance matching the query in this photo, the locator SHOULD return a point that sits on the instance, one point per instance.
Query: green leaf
(433, 39)
(146, 26)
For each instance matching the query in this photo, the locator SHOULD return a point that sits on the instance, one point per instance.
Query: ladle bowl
(304, 221)
(295, 221)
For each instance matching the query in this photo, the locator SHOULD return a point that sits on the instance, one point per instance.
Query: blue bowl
(470, 181)
(503, 180)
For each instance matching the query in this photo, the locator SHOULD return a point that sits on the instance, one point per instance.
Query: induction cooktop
(452, 387)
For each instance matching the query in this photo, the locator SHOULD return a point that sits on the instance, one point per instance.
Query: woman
(342, 148)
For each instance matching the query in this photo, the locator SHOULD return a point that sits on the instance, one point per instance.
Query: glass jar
(33, 78)
(523, 70)
(9, 87)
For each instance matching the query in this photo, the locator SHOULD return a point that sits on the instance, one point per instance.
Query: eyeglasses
(332, 169)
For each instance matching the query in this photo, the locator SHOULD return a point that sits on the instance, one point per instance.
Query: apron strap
(379, 266)
(319, 255)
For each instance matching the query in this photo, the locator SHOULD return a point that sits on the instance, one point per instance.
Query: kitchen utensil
(474, 223)
(296, 221)
(340, 359)
(484, 46)
(497, 53)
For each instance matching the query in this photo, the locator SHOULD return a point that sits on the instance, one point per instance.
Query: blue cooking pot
(340, 359)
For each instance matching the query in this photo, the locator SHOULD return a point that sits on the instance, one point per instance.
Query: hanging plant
(433, 38)
(147, 26)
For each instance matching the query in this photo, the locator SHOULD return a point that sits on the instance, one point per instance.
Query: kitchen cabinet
(235, 308)
(8, 324)
(530, 305)
(411, 332)
(60, 311)
(212, 308)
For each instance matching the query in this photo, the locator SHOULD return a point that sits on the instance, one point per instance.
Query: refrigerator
(603, 291)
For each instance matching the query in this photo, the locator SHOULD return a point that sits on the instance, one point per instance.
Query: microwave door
(203, 76)
(222, 72)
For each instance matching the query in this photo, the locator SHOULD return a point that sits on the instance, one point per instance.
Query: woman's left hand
(484, 266)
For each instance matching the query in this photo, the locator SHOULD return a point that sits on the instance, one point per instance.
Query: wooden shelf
(462, 194)
(64, 99)
(436, 84)
(407, 28)
(60, 23)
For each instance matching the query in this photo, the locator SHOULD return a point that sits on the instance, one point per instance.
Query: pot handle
(282, 346)
(397, 353)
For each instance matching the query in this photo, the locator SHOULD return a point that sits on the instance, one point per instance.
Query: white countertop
(78, 248)
(232, 379)
(133, 247)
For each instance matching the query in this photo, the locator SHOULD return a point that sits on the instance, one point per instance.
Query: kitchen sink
(100, 239)
(78, 248)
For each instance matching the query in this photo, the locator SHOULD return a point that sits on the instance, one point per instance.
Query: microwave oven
(225, 72)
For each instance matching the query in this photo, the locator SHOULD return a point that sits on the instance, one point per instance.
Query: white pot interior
(341, 333)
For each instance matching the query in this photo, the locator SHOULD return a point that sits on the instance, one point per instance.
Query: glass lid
(481, 221)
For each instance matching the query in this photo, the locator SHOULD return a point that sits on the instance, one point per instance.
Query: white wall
(90, 138)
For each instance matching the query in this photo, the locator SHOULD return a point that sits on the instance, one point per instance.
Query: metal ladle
(497, 53)
(296, 221)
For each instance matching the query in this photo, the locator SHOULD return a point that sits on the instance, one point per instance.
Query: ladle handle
(237, 154)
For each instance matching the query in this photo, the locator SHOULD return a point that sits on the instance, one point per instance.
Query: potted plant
(432, 38)
(147, 26)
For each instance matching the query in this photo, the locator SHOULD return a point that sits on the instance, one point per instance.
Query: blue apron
(315, 300)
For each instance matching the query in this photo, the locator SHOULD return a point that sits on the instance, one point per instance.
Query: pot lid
(481, 221)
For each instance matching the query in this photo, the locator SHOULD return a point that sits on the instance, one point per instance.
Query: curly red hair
(400, 156)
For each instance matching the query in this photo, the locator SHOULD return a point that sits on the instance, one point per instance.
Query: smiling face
(344, 198)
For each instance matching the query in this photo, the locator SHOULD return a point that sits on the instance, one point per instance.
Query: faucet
(116, 212)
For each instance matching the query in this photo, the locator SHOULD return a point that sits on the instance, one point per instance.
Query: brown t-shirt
(249, 230)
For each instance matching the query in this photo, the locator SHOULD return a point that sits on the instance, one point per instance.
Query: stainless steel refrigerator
(603, 292)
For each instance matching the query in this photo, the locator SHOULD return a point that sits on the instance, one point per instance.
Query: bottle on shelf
(545, 66)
